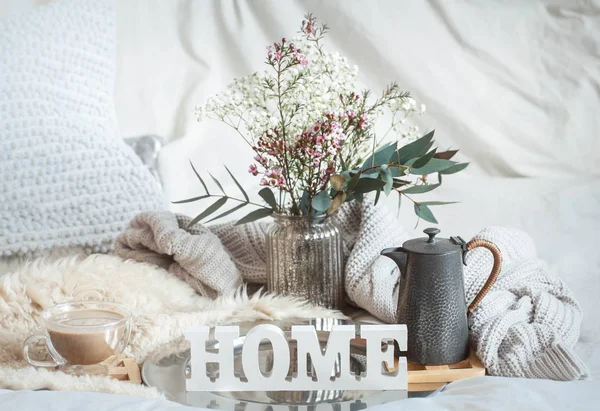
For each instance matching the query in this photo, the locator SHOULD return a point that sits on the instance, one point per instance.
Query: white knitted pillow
(66, 178)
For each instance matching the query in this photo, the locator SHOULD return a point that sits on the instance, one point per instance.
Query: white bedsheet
(480, 393)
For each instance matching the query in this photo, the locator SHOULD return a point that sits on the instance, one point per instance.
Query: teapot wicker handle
(477, 242)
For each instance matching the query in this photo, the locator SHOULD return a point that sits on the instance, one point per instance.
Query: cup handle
(31, 361)
(478, 242)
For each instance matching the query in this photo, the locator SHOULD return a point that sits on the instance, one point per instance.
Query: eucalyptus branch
(203, 197)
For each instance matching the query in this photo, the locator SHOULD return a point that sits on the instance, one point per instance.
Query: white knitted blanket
(525, 327)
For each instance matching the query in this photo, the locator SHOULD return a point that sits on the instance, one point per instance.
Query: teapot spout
(398, 254)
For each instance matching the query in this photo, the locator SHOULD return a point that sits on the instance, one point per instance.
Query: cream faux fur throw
(162, 306)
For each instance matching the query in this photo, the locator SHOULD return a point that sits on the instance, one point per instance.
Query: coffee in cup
(82, 334)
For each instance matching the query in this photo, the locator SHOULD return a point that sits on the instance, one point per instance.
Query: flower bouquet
(316, 145)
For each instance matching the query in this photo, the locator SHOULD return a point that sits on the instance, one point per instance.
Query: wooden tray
(420, 377)
(432, 377)
(126, 369)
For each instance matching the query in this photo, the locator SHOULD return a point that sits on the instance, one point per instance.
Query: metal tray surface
(167, 370)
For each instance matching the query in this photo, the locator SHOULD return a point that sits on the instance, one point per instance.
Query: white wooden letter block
(324, 362)
(198, 336)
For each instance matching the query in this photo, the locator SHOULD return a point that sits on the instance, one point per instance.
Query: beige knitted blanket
(525, 327)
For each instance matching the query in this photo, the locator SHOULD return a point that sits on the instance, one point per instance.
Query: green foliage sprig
(385, 170)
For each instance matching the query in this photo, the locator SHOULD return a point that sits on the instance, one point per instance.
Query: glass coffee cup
(81, 336)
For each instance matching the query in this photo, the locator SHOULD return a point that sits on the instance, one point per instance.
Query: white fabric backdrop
(514, 85)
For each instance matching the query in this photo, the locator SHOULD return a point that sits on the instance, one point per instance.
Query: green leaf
(380, 156)
(410, 162)
(454, 169)
(397, 171)
(347, 174)
(377, 197)
(433, 166)
(211, 209)
(238, 184)
(199, 178)
(217, 183)
(421, 189)
(353, 182)
(400, 183)
(226, 213)
(190, 200)
(342, 163)
(434, 203)
(321, 201)
(425, 213)
(399, 205)
(304, 202)
(366, 185)
(268, 196)
(255, 215)
(424, 160)
(415, 149)
(386, 176)
(337, 181)
(336, 203)
(446, 155)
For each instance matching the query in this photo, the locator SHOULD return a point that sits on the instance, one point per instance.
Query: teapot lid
(432, 245)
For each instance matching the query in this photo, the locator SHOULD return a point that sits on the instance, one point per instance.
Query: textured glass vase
(304, 259)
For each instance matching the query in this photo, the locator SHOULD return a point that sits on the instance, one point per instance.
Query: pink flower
(303, 61)
(277, 56)
(274, 173)
(316, 127)
(253, 170)
(308, 27)
(262, 160)
(263, 182)
(319, 140)
(362, 124)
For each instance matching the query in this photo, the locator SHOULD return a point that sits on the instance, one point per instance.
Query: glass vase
(304, 259)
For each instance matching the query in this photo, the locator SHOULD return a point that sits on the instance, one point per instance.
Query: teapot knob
(431, 232)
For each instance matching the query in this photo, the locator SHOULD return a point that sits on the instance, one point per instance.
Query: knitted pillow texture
(66, 177)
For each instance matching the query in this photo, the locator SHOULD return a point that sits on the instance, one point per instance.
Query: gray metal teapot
(432, 300)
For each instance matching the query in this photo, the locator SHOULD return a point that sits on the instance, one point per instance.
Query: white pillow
(66, 177)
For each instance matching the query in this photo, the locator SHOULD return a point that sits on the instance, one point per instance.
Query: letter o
(281, 354)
